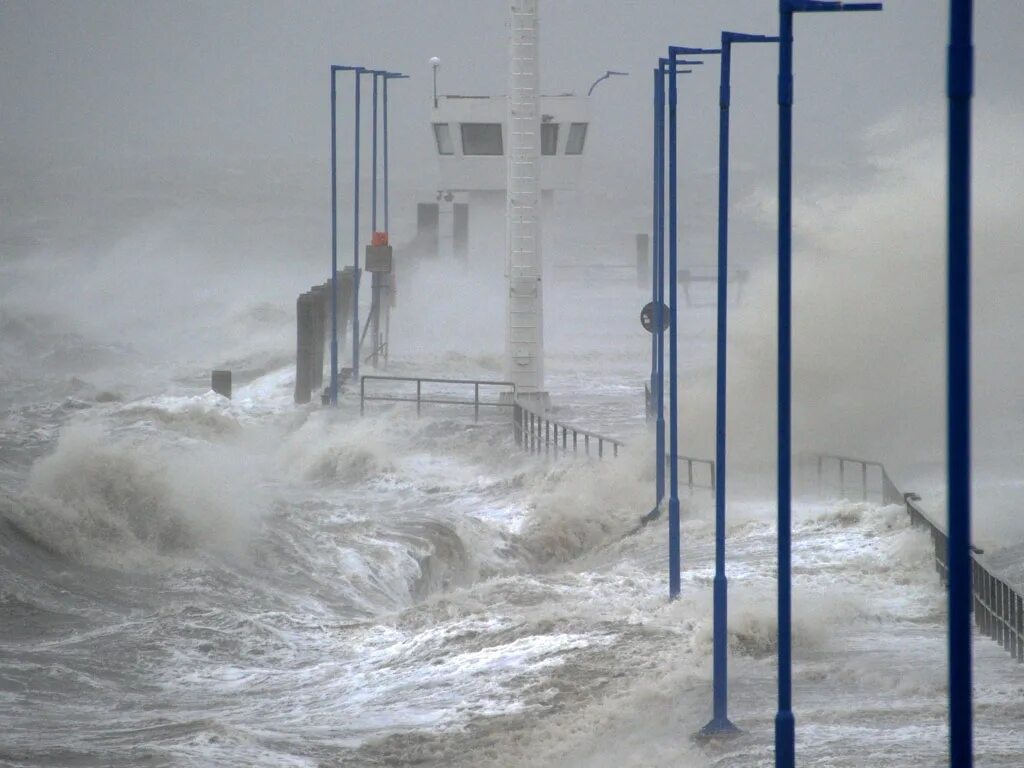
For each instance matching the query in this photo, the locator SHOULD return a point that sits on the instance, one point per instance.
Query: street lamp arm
(609, 73)
(742, 37)
(665, 64)
(681, 50)
(812, 6)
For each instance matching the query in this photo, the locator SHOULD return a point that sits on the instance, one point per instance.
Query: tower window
(443, 136)
(481, 139)
(549, 138)
(577, 138)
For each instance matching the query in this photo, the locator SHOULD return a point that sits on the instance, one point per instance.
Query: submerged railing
(695, 483)
(537, 433)
(998, 605)
(506, 396)
(860, 470)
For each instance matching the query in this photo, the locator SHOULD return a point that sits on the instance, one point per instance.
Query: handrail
(690, 461)
(419, 399)
(533, 429)
(535, 432)
(998, 605)
(888, 492)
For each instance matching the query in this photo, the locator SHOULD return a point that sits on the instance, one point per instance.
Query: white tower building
(524, 327)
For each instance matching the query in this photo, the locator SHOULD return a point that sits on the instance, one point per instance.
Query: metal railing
(508, 387)
(691, 482)
(998, 606)
(848, 466)
(536, 433)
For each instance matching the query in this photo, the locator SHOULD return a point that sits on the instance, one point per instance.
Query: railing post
(547, 437)
(574, 436)
(689, 473)
(600, 448)
(993, 607)
(615, 450)
(1020, 628)
(476, 401)
(418, 404)
(586, 442)
(1001, 600)
(522, 429)
(563, 439)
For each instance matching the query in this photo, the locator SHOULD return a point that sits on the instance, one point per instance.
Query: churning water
(192, 581)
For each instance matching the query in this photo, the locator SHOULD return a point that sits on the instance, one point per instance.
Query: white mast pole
(524, 329)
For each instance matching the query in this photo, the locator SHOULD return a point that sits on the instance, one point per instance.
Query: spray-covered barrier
(998, 605)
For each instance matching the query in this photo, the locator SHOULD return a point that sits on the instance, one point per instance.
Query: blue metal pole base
(785, 738)
(674, 560)
(719, 728)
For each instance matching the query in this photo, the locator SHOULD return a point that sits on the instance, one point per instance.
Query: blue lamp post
(355, 236)
(785, 730)
(674, 559)
(658, 278)
(335, 68)
(658, 287)
(373, 153)
(720, 723)
(960, 87)
(376, 288)
(387, 76)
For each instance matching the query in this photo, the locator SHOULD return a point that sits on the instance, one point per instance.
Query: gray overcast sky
(222, 81)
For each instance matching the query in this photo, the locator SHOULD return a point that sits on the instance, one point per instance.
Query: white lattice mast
(524, 327)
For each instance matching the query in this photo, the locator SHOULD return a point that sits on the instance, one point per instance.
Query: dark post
(319, 294)
(427, 225)
(303, 348)
(461, 231)
(643, 266)
(220, 382)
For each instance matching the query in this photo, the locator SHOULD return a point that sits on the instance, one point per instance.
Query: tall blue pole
(674, 558)
(720, 723)
(373, 176)
(673, 370)
(960, 88)
(785, 727)
(385, 128)
(334, 240)
(657, 289)
(720, 720)
(355, 241)
(659, 265)
(387, 191)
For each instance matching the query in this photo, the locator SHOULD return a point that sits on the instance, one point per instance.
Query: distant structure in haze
(508, 153)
